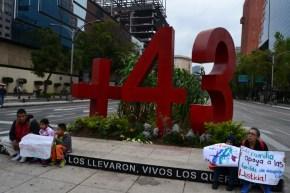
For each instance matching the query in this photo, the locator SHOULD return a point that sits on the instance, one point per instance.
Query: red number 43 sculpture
(215, 45)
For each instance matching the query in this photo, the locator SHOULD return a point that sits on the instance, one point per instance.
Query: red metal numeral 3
(216, 46)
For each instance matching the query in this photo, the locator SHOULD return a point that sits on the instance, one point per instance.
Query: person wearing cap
(231, 171)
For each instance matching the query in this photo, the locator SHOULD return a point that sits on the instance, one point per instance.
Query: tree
(259, 64)
(282, 62)
(103, 39)
(256, 65)
(50, 57)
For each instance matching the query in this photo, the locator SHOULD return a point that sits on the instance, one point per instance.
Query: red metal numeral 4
(164, 94)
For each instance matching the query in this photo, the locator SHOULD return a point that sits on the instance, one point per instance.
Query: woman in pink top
(45, 130)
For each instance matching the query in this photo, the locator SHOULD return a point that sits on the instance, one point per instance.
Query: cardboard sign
(262, 167)
(36, 146)
(222, 154)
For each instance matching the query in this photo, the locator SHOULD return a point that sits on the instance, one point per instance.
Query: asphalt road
(273, 121)
(55, 113)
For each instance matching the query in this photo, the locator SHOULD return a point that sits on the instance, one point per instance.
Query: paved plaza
(27, 178)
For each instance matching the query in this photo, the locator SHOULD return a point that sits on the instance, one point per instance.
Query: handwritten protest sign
(222, 154)
(262, 167)
(36, 146)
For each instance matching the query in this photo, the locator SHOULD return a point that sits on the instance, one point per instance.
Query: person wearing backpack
(253, 141)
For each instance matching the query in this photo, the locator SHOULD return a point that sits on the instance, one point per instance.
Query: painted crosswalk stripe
(4, 132)
(10, 123)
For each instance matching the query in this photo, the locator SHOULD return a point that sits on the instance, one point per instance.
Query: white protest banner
(36, 146)
(222, 154)
(262, 167)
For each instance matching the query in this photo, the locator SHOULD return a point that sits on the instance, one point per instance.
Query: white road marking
(281, 107)
(283, 132)
(54, 116)
(267, 132)
(6, 122)
(274, 143)
(287, 120)
(11, 114)
(60, 115)
(65, 118)
(69, 109)
(4, 132)
(264, 109)
(10, 123)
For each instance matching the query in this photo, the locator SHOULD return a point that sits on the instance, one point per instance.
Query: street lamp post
(74, 33)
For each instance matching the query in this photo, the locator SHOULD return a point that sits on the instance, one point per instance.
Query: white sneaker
(22, 160)
(15, 158)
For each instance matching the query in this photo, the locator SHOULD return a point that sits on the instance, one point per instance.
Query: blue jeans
(247, 186)
(1, 100)
(231, 172)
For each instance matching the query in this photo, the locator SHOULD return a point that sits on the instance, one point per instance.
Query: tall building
(142, 18)
(183, 62)
(252, 25)
(276, 19)
(261, 20)
(6, 17)
(18, 21)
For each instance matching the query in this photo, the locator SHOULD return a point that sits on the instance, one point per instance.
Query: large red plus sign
(98, 90)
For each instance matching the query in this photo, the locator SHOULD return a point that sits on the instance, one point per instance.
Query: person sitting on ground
(231, 171)
(45, 129)
(253, 141)
(19, 129)
(62, 145)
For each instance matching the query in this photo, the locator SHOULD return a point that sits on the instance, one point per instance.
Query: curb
(21, 104)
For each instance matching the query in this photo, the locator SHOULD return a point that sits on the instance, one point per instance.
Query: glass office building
(276, 19)
(20, 18)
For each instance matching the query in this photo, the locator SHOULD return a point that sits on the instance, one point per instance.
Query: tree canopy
(258, 66)
(103, 39)
(51, 55)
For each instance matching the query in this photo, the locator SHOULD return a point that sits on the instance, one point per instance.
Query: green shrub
(220, 131)
(7, 80)
(191, 141)
(109, 127)
(173, 138)
(114, 127)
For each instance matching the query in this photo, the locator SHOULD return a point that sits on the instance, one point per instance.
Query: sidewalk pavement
(27, 178)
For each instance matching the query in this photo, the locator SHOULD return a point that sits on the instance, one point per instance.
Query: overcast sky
(188, 17)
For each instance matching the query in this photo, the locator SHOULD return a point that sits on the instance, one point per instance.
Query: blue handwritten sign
(263, 167)
(222, 154)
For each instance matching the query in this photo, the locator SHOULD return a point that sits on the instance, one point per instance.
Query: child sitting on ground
(45, 129)
(62, 145)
